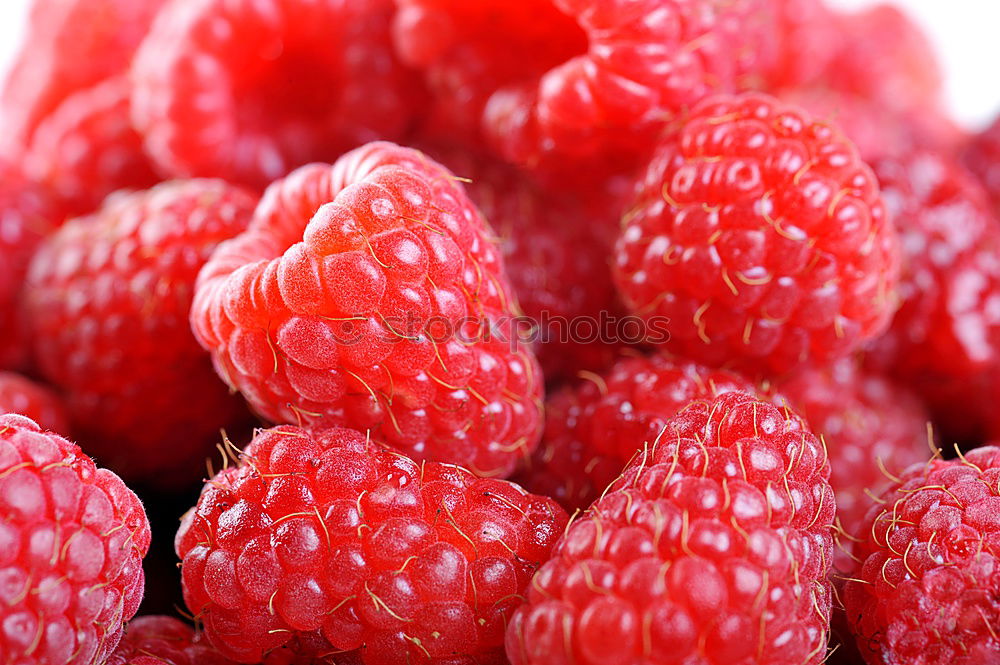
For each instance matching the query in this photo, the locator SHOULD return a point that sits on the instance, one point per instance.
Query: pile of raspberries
(494, 332)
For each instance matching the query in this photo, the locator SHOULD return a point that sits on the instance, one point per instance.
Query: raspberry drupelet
(164, 640)
(761, 236)
(370, 294)
(21, 395)
(325, 537)
(72, 539)
(247, 90)
(927, 590)
(713, 547)
(108, 298)
(982, 156)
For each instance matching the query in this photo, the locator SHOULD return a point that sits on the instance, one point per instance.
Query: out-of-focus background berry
(964, 32)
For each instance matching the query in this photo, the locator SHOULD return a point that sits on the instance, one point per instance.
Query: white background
(964, 32)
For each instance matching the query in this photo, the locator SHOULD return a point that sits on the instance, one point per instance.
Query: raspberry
(369, 294)
(945, 339)
(712, 548)
(982, 156)
(323, 535)
(23, 396)
(72, 538)
(605, 85)
(872, 427)
(27, 215)
(70, 45)
(594, 428)
(87, 148)
(163, 640)
(247, 90)
(800, 27)
(108, 299)
(927, 590)
(761, 237)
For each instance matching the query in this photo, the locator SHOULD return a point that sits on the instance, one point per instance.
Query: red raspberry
(982, 156)
(87, 148)
(108, 298)
(761, 237)
(800, 27)
(712, 548)
(163, 640)
(945, 339)
(23, 396)
(607, 83)
(72, 539)
(249, 89)
(369, 294)
(872, 427)
(324, 535)
(27, 215)
(70, 45)
(928, 592)
(592, 429)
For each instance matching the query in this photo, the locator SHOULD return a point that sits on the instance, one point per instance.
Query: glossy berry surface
(712, 548)
(594, 428)
(325, 537)
(163, 640)
(761, 236)
(249, 90)
(72, 539)
(927, 590)
(21, 395)
(370, 294)
(108, 299)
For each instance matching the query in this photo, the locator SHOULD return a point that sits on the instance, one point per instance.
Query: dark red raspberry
(27, 215)
(607, 83)
(592, 429)
(928, 591)
(21, 395)
(872, 427)
(982, 156)
(761, 237)
(108, 298)
(370, 294)
(247, 90)
(713, 547)
(72, 539)
(163, 640)
(945, 340)
(325, 535)
(87, 148)
(69, 45)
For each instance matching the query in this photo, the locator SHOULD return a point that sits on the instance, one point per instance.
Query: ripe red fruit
(69, 45)
(593, 429)
(108, 298)
(927, 589)
(805, 36)
(21, 395)
(248, 90)
(87, 148)
(72, 539)
(370, 294)
(761, 236)
(713, 547)
(982, 156)
(945, 340)
(163, 640)
(324, 536)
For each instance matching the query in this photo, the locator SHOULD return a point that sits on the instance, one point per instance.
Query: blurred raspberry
(163, 640)
(324, 537)
(370, 294)
(928, 592)
(249, 89)
(108, 299)
(760, 237)
(805, 36)
(87, 148)
(21, 395)
(982, 156)
(713, 547)
(72, 539)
